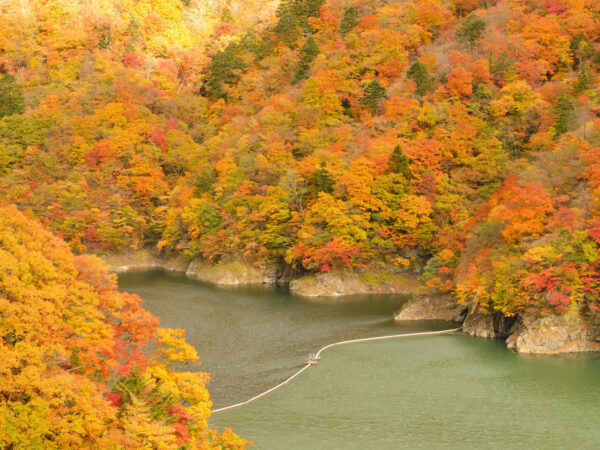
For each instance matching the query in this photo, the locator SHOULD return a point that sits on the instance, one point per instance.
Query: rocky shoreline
(338, 284)
(228, 274)
(330, 284)
(432, 308)
(143, 260)
(533, 335)
(569, 333)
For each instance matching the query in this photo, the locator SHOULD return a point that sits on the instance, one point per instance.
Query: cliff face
(228, 274)
(338, 284)
(431, 308)
(495, 326)
(556, 334)
(232, 274)
(143, 260)
(569, 333)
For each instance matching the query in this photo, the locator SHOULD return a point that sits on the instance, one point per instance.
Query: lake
(448, 391)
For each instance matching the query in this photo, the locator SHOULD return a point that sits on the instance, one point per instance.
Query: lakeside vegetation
(457, 139)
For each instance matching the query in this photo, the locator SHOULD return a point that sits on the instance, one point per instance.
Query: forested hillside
(83, 365)
(455, 138)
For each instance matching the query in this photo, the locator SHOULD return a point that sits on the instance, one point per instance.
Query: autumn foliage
(457, 139)
(83, 365)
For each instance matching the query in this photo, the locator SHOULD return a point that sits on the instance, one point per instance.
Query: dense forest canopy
(456, 138)
(83, 365)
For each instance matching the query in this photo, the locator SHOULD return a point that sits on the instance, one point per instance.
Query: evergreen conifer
(11, 96)
(418, 73)
(372, 94)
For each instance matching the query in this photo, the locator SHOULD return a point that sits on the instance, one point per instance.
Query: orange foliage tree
(83, 365)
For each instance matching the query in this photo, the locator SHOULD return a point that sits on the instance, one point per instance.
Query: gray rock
(286, 274)
(490, 325)
(555, 334)
(231, 274)
(143, 260)
(336, 284)
(439, 307)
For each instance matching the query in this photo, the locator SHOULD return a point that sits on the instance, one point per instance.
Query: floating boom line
(318, 356)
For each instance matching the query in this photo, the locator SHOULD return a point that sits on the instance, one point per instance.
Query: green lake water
(448, 391)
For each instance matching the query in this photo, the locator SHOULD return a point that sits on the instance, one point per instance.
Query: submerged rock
(336, 284)
(431, 308)
(232, 274)
(555, 334)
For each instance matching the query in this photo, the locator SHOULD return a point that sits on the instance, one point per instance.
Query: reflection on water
(422, 392)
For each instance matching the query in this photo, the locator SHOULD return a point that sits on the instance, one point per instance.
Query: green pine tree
(293, 18)
(501, 66)
(372, 94)
(350, 20)
(287, 28)
(307, 8)
(577, 41)
(565, 115)
(105, 39)
(418, 73)
(11, 96)
(399, 162)
(309, 52)
(136, 386)
(471, 30)
(585, 80)
(224, 70)
(227, 16)
(581, 49)
(322, 181)
(205, 180)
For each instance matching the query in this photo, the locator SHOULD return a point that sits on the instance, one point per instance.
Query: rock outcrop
(144, 260)
(337, 284)
(439, 307)
(488, 325)
(231, 274)
(555, 334)
(568, 333)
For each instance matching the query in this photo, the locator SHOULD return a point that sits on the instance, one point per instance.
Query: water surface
(448, 391)
(250, 339)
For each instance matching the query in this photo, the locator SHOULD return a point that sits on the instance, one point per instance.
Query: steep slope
(83, 365)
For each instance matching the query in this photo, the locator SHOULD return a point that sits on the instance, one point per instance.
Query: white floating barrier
(313, 358)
